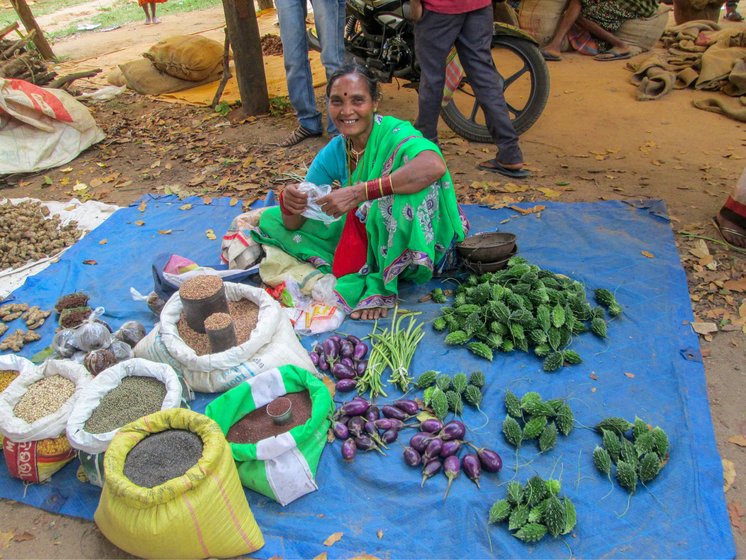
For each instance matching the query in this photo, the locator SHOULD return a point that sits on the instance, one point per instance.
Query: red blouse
(455, 6)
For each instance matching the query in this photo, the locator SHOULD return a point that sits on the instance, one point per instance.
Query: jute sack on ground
(143, 77)
(35, 451)
(281, 467)
(201, 514)
(272, 343)
(187, 57)
(644, 32)
(92, 446)
(540, 18)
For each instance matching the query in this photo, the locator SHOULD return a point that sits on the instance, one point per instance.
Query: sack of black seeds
(272, 343)
(198, 514)
(33, 415)
(279, 461)
(117, 396)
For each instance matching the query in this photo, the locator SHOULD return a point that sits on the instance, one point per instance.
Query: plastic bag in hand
(313, 211)
(92, 335)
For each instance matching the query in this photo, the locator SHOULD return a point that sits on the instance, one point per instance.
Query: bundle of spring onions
(392, 348)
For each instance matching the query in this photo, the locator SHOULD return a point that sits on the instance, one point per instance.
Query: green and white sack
(91, 447)
(272, 343)
(282, 467)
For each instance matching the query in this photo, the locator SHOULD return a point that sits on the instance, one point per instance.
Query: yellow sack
(203, 513)
(187, 57)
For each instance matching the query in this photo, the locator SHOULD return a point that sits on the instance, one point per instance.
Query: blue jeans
(329, 16)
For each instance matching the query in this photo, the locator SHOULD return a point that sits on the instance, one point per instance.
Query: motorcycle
(379, 34)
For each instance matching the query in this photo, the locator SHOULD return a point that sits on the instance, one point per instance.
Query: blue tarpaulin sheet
(649, 366)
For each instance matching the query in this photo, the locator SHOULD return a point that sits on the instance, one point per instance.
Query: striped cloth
(454, 75)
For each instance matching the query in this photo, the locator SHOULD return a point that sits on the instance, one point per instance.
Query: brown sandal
(297, 136)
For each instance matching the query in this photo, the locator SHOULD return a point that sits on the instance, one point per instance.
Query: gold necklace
(353, 153)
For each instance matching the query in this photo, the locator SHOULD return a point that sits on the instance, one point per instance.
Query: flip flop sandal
(731, 232)
(733, 16)
(297, 136)
(550, 57)
(612, 55)
(493, 166)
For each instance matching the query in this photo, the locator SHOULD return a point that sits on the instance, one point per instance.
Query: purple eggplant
(491, 461)
(370, 428)
(390, 436)
(352, 338)
(314, 358)
(341, 371)
(365, 443)
(373, 413)
(453, 430)
(341, 417)
(349, 448)
(355, 407)
(361, 366)
(450, 447)
(392, 412)
(331, 348)
(356, 425)
(336, 338)
(389, 424)
(419, 441)
(433, 449)
(341, 431)
(451, 468)
(472, 467)
(431, 468)
(408, 406)
(412, 457)
(431, 425)
(359, 351)
(348, 362)
(346, 349)
(323, 364)
(346, 385)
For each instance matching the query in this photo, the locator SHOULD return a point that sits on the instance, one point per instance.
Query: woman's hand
(293, 200)
(340, 201)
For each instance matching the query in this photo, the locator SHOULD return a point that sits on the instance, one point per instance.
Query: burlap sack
(644, 33)
(540, 18)
(143, 77)
(187, 57)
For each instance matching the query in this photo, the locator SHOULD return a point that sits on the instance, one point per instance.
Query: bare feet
(370, 314)
(731, 232)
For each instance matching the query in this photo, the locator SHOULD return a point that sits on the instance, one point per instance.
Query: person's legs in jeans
(329, 17)
(474, 47)
(292, 18)
(434, 35)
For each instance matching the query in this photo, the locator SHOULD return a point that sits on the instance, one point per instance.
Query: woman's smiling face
(351, 107)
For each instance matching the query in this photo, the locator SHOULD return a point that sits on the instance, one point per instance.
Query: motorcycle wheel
(526, 89)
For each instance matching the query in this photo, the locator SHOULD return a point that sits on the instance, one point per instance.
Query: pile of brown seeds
(200, 287)
(217, 321)
(258, 425)
(244, 313)
(43, 398)
(135, 397)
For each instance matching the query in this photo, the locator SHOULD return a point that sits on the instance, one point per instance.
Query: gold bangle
(380, 187)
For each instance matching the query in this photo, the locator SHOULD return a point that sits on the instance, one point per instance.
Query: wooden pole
(24, 13)
(243, 33)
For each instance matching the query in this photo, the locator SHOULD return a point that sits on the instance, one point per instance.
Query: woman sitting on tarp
(601, 18)
(397, 203)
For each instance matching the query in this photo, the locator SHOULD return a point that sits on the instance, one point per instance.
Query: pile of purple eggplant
(438, 446)
(363, 426)
(366, 427)
(344, 358)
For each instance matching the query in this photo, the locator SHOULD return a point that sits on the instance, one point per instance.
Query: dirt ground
(595, 141)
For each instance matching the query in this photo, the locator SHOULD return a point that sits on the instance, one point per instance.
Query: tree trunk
(25, 15)
(265, 4)
(243, 33)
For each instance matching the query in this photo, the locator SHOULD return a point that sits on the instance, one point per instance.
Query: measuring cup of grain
(280, 410)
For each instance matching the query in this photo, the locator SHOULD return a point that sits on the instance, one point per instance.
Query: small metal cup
(285, 416)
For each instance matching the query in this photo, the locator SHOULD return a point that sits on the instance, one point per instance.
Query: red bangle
(378, 188)
(388, 187)
(281, 200)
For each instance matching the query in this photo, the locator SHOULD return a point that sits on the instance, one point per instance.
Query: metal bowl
(484, 267)
(284, 408)
(487, 247)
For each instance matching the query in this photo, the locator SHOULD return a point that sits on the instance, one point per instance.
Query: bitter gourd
(499, 511)
(426, 379)
(554, 516)
(553, 362)
(477, 379)
(531, 532)
(548, 437)
(480, 349)
(626, 475)
(602, 460)
(457, 337)
(564, 419)
(512, 431)
(649, 467)
(473, 395)
(534, 427)
(513, 405)
(535, 490)
(439, 403)
(598, 326)
(515, 493)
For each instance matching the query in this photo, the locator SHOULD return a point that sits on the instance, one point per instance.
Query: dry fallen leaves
(736, 285)
(5, 538)
(736, 513)
(630, 375)
(143, 206)
(739, 440)
(23, 537)
(593, 376)
(533, 210)
(729, 474)
(139, 223)
(165, 231)
(647, 254)
(103, 242)
(704, 328)
(333, 538)
(185, 207)
(210, 234)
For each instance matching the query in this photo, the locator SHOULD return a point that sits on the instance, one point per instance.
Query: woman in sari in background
(397, 209)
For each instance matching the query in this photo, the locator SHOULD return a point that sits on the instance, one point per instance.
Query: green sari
(410, 236)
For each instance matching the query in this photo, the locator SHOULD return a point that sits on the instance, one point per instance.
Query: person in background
(150, 16)
(731, 220)
(467, 25)
(601, 18)
(329, 17)
(731, 11)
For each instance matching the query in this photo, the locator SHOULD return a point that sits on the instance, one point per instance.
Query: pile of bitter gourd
(524, 307)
